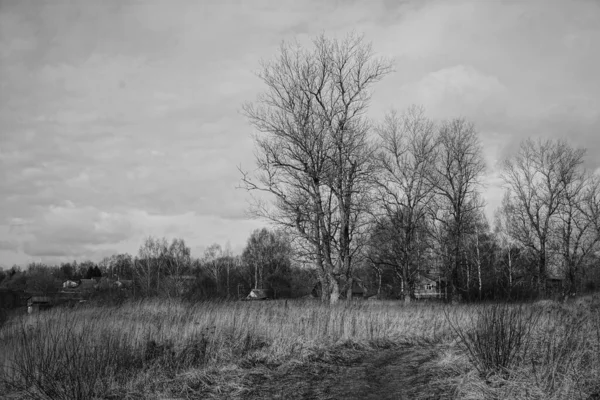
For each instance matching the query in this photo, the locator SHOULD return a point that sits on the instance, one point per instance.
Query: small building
(124, 284)
(38, 303)
(260, 294)
(68, 284)
(428, 287)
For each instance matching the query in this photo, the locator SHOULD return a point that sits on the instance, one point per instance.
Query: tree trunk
(510, 274)
(405, 286)
(255, 276)
(478, 263)
(542, 271)
(334, 287)
(349, 289)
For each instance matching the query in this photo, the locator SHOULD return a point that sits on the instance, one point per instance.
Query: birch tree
(405, 188)
(456, 181)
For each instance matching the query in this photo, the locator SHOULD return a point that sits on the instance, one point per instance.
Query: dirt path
(404, 373)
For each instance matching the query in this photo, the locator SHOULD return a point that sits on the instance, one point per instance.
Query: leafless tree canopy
(313, 152)
(457, 183)
(404, 187)
(545, 183)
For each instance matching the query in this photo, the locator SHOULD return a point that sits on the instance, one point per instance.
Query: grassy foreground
(171, 349)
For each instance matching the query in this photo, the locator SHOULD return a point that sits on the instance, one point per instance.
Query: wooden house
(38, 303)
(260, 294)
(427, 287)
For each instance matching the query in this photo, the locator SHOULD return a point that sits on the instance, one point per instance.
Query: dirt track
(382, 374)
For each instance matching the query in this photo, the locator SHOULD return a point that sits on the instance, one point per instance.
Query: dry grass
(171, 349)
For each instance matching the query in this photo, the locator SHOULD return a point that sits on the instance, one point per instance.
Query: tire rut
(390, 374)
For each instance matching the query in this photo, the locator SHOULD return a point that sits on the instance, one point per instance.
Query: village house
(429, 286)
(38, 303)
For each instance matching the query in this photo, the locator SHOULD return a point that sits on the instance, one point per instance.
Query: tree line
(402, 197)
(167, 269)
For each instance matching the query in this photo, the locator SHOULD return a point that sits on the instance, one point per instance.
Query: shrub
(498, 336)
(61, 358)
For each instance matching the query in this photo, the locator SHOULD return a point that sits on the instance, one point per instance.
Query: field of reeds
(173, 349)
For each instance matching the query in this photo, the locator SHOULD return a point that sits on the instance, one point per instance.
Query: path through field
(404, 373)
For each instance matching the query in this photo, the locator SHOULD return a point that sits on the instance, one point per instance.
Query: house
(70, 284)
(428, 286)
(124, 284)
(260, 294)
(38, 303)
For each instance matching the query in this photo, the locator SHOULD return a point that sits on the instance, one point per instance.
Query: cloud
(69, 231)
(121, 119)
(460, 90)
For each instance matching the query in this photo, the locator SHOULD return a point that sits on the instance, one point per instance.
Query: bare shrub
(563, 348)
(62, 358)
(497, 337)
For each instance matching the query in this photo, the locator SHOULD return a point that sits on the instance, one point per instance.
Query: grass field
(171, 349)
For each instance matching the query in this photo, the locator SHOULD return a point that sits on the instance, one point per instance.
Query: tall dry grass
(71, 354)
(146, 347)
(539, 351)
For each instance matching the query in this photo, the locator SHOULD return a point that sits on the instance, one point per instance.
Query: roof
(259, 294)
(430, 277)
(40, 299)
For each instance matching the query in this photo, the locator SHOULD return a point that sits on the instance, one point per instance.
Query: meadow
(178, 350)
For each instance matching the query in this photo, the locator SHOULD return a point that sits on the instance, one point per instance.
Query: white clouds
(130, 110)
(459, 90)
(67, 232)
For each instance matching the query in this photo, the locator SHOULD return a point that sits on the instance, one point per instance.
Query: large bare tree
(456, 181)
(539, 179)
(312, 147)
(405, 188)
(578, 236)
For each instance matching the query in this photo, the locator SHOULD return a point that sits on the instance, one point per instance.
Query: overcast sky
(120, 119)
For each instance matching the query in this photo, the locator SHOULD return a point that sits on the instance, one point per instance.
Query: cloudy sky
(120, 119)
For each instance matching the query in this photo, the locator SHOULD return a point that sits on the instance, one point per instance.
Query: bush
(498, 336)
(61, 358)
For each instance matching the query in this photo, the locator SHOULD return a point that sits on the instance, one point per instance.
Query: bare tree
(312, 147)
(578, 234)
(591, 202)
(537, 179)
(456, 180)
(213, 263)
(504, 220)
(406, 161)
(151, 263)
(179, 262)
